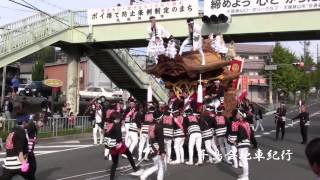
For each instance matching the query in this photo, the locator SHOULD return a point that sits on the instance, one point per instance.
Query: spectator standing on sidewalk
(65, 109)
(7, 108)
(71, 120)
(46, 106)
(259, 118)
(15, 85)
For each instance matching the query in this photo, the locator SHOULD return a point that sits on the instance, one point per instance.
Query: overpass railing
(54, 126)
(158, 89)
(33, 29)
(28, 31)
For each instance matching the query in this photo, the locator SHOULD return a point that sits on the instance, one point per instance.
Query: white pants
(167, 144)
(107, 153)
(7, 115)
(232, 154)
(95, 130)
(195, 139)
(259, 124)
(159, 165)
(214, 144)
(188, 41)
(210, 151)
(243, 157)
(132, 140)
(126, 139)
(222, 141)
(178, 149)
(144, 142)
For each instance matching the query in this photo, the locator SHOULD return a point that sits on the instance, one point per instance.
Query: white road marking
(98, 177)
(257, 136)
(61, 146)
(266, 133)
(44, 152)
(314, 114)
(97, 172)
(272, 131)
(64, 150)
(70, 142)
(84, 174)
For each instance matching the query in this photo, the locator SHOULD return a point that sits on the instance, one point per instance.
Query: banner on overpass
(142, 12)
(235, 7)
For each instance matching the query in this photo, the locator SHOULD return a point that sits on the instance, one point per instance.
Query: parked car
(21, 89)
(93, 92)
(117, 93)
(38, 89)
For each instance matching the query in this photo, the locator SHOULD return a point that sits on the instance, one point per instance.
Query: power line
(52, 5)
(21, 4)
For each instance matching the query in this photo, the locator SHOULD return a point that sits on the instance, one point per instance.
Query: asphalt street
(80, 160)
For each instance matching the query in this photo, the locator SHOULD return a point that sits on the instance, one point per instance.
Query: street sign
(142, 12)
(53, 82)
(270, 67)
(238, 7)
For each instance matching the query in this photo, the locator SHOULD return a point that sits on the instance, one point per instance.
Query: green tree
(287, 77)
(46, 54)
(38, 70)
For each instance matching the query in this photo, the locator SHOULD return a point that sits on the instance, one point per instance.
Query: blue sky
(10, 12)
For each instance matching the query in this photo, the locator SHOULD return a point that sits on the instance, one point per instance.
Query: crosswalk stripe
(61, 146)
(41, 149)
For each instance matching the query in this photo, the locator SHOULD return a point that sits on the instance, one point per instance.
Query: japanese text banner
(142, 12)
(234, 7)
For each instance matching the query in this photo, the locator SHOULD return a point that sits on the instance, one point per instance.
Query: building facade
(90, 75)
(256, 57)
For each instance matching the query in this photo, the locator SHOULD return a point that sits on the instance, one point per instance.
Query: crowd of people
(179, 131)
(169, 132)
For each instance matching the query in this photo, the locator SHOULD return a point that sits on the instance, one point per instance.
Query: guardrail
(55, 126)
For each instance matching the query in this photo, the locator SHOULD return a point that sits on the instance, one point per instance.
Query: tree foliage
(38, 70)
(290, 78)
(41, 57)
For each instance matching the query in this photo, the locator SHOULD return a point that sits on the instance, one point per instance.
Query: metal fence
(55, 126)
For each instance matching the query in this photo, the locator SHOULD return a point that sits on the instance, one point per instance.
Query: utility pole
(270, 84)
(318, 57)
(3, 91)
(306, 45)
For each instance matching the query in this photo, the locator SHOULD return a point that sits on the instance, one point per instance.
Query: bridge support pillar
(73, 79)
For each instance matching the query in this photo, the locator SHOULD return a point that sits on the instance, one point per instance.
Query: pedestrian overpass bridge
(105, 44)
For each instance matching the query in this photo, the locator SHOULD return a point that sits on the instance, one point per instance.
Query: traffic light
(299, 64)
(205, 19)
(216, 18)
(223, 18)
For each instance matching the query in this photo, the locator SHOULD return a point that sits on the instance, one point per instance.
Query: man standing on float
(194, 38)
(156, 34)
